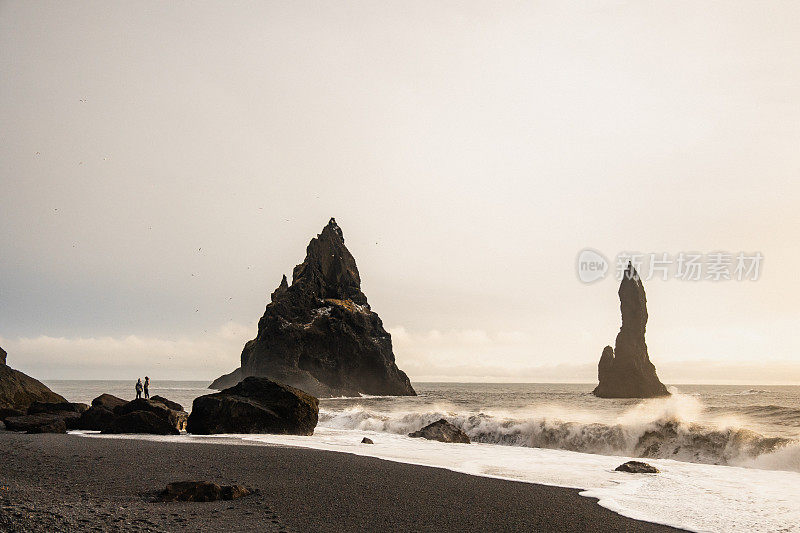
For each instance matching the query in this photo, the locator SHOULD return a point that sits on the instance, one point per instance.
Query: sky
(162, 164)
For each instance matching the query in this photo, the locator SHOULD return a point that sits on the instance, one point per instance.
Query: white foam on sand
(698, 497)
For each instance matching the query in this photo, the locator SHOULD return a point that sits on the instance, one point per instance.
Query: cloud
(205, 356)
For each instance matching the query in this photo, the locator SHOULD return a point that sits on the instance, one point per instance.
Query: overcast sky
(162, 164)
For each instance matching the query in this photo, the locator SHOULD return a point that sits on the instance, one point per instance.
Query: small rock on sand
(201, 491)
(637, 467)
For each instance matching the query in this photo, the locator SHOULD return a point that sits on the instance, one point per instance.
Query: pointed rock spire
(319, 333)
(626, 370)
(282, 288)
(2, 356)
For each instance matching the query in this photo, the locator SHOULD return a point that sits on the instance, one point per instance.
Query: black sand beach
(73, 483)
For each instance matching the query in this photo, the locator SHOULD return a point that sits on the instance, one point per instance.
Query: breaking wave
(667, 429)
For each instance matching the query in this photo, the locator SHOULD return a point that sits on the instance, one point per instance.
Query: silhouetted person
(138, 388)
(146, 387)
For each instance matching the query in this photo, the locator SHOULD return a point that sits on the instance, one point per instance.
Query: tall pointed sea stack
(319, 334)
(626, 371)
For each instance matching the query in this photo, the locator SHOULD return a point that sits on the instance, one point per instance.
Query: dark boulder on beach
(319, 334)
(626, 371)
(256, 405)
(19, 391)
(56, 408)
(175, 406)
(637, 467)
(443, 431)
(38, 423)
(147, 422)
(106, 409)
(366, 440)
(56, 426)
(176, 418)
(70, 413)
(95, 419)
(100, 415)
(108, 401)
(201, 491)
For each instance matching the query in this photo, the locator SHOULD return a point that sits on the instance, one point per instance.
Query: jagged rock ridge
(625, 371)
(319, 334)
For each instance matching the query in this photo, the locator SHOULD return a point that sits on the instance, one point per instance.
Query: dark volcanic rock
(366, 440)
(637, 467)
(56, 426)
(95, 419)
(443, 431)
(626, 371)
(319, 334)
(175, 418)
(108, 401)
(175, 406)
(141, 422)
(5, 413)
(31, 423)
(56, 408)
(256, 405)
(201, 491)
(3, 355)
(19, 391)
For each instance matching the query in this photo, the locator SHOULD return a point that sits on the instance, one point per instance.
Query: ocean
(729, 455)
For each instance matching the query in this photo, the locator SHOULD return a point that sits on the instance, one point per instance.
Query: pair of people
(143, 387)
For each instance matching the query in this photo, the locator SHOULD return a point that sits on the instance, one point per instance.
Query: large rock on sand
(256, 405)
(19, 391)
(141, 422)
(319, 334)
(443, 431)
(626, 371)
(100, 415)
(175, 418)
(108, 401)
(38, 423)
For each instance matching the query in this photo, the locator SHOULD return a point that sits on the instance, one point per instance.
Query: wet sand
(74, 483)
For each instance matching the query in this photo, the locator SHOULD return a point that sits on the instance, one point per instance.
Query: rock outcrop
(255, 405)
(100, 415)
(175, 418)
(201, 491)
(443, 431)
(110, 414)
(319, 334)
(141, 422)
(37, 423)
(626, 371)
(637, 467)
(19, 391)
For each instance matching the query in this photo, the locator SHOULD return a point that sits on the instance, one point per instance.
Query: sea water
(729, 455)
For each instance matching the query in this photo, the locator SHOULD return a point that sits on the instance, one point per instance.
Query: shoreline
(59, 482)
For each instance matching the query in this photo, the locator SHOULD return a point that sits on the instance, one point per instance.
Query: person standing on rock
(146, 387)
(138, 388)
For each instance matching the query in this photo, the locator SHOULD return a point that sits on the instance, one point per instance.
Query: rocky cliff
(319, 334)
(625, 371)
(18, 391)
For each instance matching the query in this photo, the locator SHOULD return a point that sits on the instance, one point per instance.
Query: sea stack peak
(3, 355)
(319, 334)
(625, 371)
